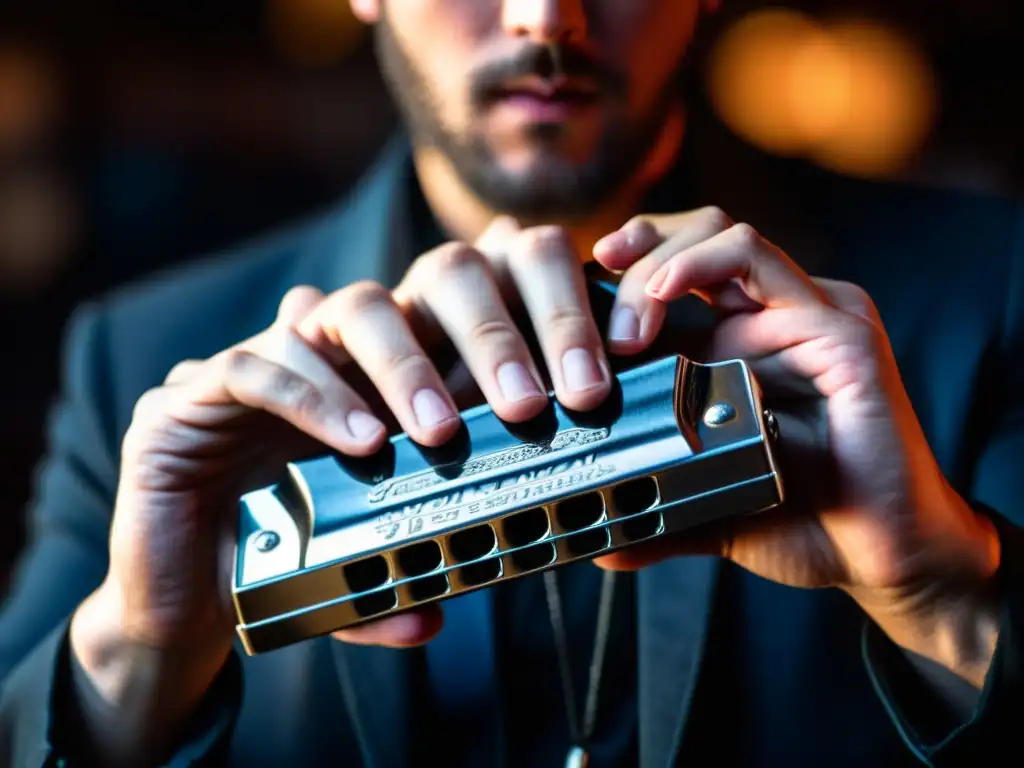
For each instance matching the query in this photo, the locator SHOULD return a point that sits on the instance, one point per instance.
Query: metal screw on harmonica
(267, 541)
(339, 541)
(719, 414)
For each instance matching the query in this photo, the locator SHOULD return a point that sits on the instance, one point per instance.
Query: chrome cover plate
(359, 539)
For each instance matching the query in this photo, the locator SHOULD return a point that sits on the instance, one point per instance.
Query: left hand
(887, 528)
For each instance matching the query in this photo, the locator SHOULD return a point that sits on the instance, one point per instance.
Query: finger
(298, 303)
(829, 348)
(182, 372)
(766, 274)
(642, 234)
(549, 277)
(621, 249)
(497, 238)
(457, 287)
(298, 388)
(495, 244)
(636, 318)
(404, 630)
(364, 320)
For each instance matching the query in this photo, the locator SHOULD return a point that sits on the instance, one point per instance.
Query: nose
(545, 21)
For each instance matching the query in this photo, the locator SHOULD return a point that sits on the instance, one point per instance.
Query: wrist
(951, 616)
(134, 697)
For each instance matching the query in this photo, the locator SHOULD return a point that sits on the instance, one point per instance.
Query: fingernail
(610, 244)
(624, 325)
(516, 383)
(580, 371)
(430, 408)
(658, 280)
(362, 425)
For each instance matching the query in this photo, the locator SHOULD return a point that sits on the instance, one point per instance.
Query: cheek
(649, 41)
(441, 38)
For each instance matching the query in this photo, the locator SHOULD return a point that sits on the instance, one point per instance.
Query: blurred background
(136, 136)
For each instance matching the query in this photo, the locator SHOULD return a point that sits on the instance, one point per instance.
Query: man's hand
(885, 527)
(328, 372)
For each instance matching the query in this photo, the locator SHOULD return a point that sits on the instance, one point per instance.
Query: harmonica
(340, 541)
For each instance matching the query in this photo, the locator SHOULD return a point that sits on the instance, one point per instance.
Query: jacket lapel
(674, 599)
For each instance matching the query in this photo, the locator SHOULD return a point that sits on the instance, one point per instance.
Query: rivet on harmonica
(338, 541)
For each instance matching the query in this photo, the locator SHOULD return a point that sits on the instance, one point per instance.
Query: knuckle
(360, 296)
(866, 335)
(641, 229)
(300, 294)
(544, 241)
(638, 222)
(149, 403)
(714, 219)
(407, 365)
(455, 256)
(444, 260)
(238, 362)
(569, 321)
(856, 299)
(494, 335)
(294, 393)
(181, 370)
(745, 236)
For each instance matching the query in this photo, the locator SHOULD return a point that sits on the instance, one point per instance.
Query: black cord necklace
(582, 731)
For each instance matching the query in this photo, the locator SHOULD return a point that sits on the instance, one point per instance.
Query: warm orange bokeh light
(854, 96)
(28, 96)
(313, 32)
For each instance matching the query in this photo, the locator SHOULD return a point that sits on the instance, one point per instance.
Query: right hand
(221, 426)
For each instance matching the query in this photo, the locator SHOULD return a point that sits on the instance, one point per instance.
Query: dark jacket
(947, 272)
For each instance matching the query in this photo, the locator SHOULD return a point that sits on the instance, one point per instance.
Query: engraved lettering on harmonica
(473, 501)
(417, 483)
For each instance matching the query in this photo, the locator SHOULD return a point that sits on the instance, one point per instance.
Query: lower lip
(541, 110)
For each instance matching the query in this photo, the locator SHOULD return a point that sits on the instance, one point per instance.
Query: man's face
(543, 107)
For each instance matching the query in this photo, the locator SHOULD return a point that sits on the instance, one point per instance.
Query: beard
(552, 189)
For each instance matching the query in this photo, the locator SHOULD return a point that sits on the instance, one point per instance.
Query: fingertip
(632, 330)
(433, 419)
(357, 433)
(583, 400)
(610, 246)
(522, 410)
(436, 435)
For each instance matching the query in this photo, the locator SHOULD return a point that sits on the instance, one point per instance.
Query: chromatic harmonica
(340, 541)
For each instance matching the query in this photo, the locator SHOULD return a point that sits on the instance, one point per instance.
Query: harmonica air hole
(534, 557)
(367, 574)
(525, 527)
(377, 602)
(588, 542)
(472, 543)
(643, 526)
(580, 512)
(635, 496)
(480, 573)
(418, 559)
(428, 588)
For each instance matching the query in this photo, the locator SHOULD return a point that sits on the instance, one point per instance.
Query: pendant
(577, 758)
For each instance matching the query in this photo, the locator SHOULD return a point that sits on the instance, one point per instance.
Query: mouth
(546, 100)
